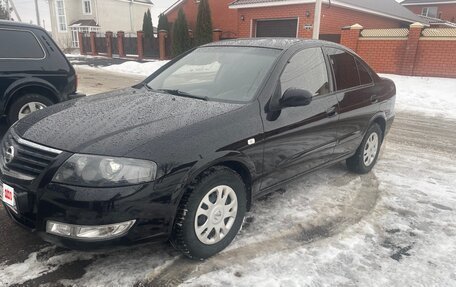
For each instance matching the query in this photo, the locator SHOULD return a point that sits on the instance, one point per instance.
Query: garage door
(277, 28)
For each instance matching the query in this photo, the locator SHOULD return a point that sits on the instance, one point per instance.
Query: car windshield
(217, 73)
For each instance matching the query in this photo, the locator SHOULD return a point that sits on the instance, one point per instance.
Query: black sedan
(182, 155)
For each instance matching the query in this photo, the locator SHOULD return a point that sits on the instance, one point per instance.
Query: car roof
(14, 24)
(272, 43)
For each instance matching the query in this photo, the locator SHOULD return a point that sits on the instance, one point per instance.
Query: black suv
(182, 155)
(34, 73)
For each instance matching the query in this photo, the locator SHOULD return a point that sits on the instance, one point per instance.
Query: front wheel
(367, 153)
(210, 214)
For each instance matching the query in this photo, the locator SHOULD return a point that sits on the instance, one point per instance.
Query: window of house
(345, 69)
(20, 45)
(429, 12)
(306, 70)
(87, 7)
(61, 18)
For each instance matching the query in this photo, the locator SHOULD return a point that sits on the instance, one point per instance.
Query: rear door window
(345, 69)
(364, 75)
(19, 44)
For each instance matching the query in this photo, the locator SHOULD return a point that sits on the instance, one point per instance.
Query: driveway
(392, 227)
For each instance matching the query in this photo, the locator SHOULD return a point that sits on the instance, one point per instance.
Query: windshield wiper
(180, 93)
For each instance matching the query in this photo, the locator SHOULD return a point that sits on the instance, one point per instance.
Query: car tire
(367, 153)
(188, 233)
(19, 104)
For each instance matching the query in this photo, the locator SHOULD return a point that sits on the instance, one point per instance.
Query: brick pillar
(408, 61)
(216, 35)
(140, 40)
(109, 44)
(350, 36)
(93, 45)
(81, 43)
(120, 43)
(162, 35)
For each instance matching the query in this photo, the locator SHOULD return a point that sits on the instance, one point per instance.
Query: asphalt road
(409, 130)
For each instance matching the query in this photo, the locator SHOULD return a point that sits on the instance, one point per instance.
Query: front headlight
(102, 171)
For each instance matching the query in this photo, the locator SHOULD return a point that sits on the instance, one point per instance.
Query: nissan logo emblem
(9, 155)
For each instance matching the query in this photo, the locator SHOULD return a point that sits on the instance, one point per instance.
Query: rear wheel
(367, 154)
(26, 105)
(210, 214)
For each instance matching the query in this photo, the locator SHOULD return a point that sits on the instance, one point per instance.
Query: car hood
(115, 123)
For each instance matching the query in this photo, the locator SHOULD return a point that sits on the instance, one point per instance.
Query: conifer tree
(163, 23)
(203, 32)
(181, 38)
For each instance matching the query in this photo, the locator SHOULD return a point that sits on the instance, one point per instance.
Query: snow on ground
(407, 239)
(426, 95)
(133, 67)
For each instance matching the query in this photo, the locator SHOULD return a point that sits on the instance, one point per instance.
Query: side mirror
(296, 98)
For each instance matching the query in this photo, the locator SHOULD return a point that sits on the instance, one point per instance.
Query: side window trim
(37, 40)
(330, 69)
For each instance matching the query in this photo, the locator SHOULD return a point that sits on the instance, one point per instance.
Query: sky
(26, 9)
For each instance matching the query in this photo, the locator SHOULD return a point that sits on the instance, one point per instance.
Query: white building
(68, 17)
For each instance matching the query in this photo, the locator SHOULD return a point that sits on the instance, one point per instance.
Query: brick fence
(122, 44)
(416, 51)
(134, 45)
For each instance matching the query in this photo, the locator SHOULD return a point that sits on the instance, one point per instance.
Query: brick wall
(384, 56)
(413, 55)
(447, 11)
(333, 18)
(222, 17)
(436, 58)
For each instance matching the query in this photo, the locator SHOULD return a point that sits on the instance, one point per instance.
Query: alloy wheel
(29, 108)
(370, 149)
(216, 214)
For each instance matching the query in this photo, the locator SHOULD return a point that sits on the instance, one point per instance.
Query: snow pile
(426, 95)
(133, 67)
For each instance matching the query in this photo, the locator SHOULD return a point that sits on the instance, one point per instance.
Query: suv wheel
(366, 155)
(210, 214)
(26, 105)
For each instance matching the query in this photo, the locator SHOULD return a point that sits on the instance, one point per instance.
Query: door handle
(331, 112)
(374, 99)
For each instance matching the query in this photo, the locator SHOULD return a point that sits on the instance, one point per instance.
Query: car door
(357, 98)
(299, 139)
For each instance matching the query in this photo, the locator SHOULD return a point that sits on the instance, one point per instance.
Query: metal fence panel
(86, 43)
(100, 43)
(131, 44)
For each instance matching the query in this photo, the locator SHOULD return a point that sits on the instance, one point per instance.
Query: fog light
(87, 232)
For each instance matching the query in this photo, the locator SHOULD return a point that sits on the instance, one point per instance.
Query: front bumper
(92, 207)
